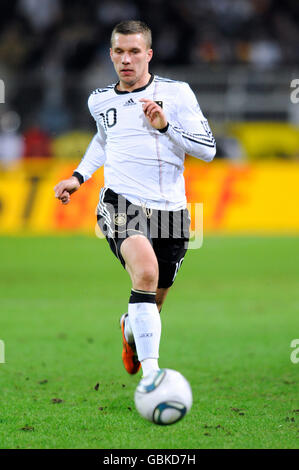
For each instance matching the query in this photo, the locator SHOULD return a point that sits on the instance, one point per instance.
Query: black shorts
(167, 231)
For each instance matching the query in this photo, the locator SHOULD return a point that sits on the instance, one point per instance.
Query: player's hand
(65, 188)
(154, 114)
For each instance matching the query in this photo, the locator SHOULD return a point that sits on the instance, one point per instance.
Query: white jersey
(141, 163)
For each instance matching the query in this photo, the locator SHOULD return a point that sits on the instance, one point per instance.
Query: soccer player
(145, 126)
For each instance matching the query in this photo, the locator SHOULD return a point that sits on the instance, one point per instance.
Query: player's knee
(146, 277)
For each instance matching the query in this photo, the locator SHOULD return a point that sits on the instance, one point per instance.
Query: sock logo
(146, 335)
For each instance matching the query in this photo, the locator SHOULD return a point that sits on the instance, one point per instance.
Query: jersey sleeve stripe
(198, 138)
(199, 142)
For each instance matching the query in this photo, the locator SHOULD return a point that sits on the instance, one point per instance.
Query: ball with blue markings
(163, 397)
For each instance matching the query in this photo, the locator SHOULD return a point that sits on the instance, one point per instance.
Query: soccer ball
(163, 397)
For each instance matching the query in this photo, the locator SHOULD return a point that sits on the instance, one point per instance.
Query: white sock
(148, 365)
(145, 323)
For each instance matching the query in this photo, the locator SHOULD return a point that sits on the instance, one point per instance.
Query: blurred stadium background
(239, 56)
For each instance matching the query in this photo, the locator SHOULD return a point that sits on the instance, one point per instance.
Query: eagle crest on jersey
(120, 218)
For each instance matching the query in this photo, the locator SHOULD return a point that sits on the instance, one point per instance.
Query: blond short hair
(133, 27)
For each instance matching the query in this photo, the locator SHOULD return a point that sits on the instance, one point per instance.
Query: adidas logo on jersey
(130, 102)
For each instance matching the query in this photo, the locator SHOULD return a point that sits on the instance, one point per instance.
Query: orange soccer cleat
(129, 354)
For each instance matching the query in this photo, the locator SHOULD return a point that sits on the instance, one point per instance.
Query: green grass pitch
(227, 325)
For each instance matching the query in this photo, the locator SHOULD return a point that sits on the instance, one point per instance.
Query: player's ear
(110, 53)
(149, 55)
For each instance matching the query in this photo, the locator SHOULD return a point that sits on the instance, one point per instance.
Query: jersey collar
(119, 92)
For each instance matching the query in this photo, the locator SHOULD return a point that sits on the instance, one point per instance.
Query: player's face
(130, 56)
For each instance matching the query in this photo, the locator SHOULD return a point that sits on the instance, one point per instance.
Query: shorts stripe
(103, 211)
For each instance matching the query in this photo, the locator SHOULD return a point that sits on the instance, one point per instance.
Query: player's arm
(191, 132)
(93, 159)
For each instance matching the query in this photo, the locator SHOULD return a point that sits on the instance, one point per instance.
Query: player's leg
(143, 315)
(121, 221)
(170, 254)
(129, 356)
(161, 296)
(141, 262)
